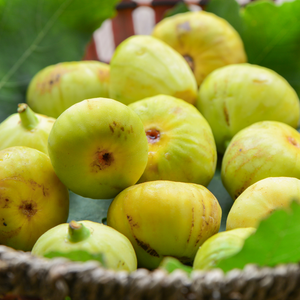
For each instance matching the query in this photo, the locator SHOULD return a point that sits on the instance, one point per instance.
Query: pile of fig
(147, 131)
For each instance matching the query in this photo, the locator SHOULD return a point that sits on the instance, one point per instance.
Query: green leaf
(88, 209)
(228, 10)
(276, 241)
(178, 8)
(37, 33)
(170, 264)
(78, 255)
(270, 32)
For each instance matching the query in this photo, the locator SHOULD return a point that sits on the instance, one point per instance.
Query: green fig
(95, 238)
(165, 218)
(221, 246)
(26, 128)
(143, 66)
(261, 199)
(98, 147)
(205, 40)
(32, 198)
(263, 149)
(236, 96)
(55, 88)
(181, 143)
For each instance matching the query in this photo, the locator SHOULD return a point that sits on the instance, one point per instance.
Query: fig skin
(261, 150)
(26, 128)
(116, 248)
(98, 147)
(236, 96)
(207, 41)
(261, 199)
(57, 87)
(220, 246)
(181, 143)
(165, 218)
(32, 198)
(143, 66)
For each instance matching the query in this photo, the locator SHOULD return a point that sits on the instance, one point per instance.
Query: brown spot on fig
(192, 225)
(131, 223)
(4, 224)
(153, 135)
(111, 129)
(183, 259)
(122, 128)
(147, 248)
(28, 208)
(226, 114)
(6, 203)
(6, 235)
(131, 129)
(102, 160)
(293, 141)
(189, 61)
(115, 124)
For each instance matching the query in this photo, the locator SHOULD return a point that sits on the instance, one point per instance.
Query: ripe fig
(236, 96)
(55, 88)
(220, 246)
(206, 41)
(263, 149)
(98, 147)
(93, 237)
(181, 143)
(260, 199)
(143, 66)
(26, 128)
(165, 218)
(32, 198)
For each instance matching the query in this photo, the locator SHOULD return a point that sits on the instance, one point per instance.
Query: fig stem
(29, 120)
(77, 232)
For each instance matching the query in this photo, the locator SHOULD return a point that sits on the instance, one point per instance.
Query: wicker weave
(23, 274)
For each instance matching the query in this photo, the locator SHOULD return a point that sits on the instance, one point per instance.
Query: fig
(220, 246)
(92, 237)
(236, 96)
(181, 143)
(98, 147)
(165, 218)
(56, 87)
(26, 128)
(206, 41)
(261, 199)
(32, 198)
(143, 66)
(263, 149)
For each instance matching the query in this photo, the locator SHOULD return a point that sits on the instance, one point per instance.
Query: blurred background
(137, 17)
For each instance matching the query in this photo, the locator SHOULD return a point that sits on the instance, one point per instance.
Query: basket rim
(24, 274)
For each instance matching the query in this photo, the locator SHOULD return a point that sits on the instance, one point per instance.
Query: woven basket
(23, 276)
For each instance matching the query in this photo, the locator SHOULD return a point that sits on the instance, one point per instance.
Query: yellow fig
(143, 66)
(57, 87)
(92, 237)
(32, 198)
(26, 128)
(205, 40)
(165, 218)
(220, 246)
(181, 143)
(262, 198)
